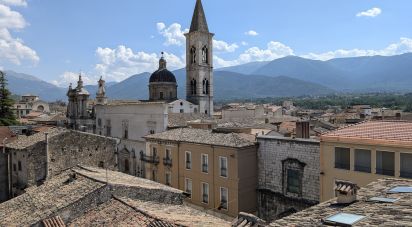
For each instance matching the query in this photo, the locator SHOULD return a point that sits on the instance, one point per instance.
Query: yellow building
(217, 171)
(365, 152)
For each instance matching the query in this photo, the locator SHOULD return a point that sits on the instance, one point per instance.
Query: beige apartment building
(365, 152)
(217, 171)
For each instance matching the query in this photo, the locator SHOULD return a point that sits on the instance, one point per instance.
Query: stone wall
(276, 155)
(66, 150)
(3, 178)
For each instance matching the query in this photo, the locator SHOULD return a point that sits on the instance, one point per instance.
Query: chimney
(346, 191)
(302, 129)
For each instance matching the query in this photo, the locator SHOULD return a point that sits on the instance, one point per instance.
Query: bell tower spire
(199, 62)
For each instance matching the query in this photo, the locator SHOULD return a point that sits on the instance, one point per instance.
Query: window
(188, 187)
(168, 179)
(385, 163)
(108, 128)
(342, 158)
(168, 154)
(406, 166)
(363, 160)
(292, 176)
(161, 95)
(205, 193)
(19, 164)
(14, 167)
(125, 126)
(223, 166)
(205, 163)
(223, 198)
(205, 55)
(154, 152)
(293, 181)
(188, 160)
(193, 54)
(99, 122)
(126, 166)
(154, 177)
(193, 86)
(182, 110)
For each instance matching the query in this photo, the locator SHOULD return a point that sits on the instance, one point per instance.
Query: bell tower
(199, 62)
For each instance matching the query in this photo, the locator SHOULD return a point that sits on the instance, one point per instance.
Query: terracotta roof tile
(384, 131)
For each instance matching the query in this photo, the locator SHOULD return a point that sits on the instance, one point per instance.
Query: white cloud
(251, 33)
(13, 49)
(120, 63)
(273, 51)
(244, 43)
(14, 2)
(174, 34)
(370, 13)
(71, 78)
(403, 46)
(223, 46)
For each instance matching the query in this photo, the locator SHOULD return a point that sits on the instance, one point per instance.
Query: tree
(6, 103)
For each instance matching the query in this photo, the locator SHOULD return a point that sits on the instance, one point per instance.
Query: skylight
(344, 219)
(383, 200)
(401, 189)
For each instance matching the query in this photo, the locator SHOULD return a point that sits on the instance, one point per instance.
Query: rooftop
(397, 133)
(398, 213)
(178, 120)
(23, 142)
(81, 197)
(201, 136)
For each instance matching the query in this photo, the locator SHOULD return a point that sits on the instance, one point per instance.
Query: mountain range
(288, 76)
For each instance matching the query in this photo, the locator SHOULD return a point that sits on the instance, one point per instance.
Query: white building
(29, 103)
(130, 121)
(182, 106)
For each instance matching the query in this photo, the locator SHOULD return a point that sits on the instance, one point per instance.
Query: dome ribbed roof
(162, 75)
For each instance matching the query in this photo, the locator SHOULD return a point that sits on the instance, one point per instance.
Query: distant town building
(216, 170)
(80, 115)
(379, 203)
(183, 106)
(288, 173)
(365, 152)
(28, 104)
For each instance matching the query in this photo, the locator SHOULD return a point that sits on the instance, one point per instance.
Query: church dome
(162, 74)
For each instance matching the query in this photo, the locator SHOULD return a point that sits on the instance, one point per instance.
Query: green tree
(6, 103)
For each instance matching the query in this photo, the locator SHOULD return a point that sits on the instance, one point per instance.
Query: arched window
(193, 55)
(293, 170)
(193, 86)
(207, 86)
(205, 57)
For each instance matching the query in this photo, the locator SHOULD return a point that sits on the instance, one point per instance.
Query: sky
(56, 39)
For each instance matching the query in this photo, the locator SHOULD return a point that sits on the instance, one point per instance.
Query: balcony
(167, 161)
(223, 172)
(149, 159)
(387, 172)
